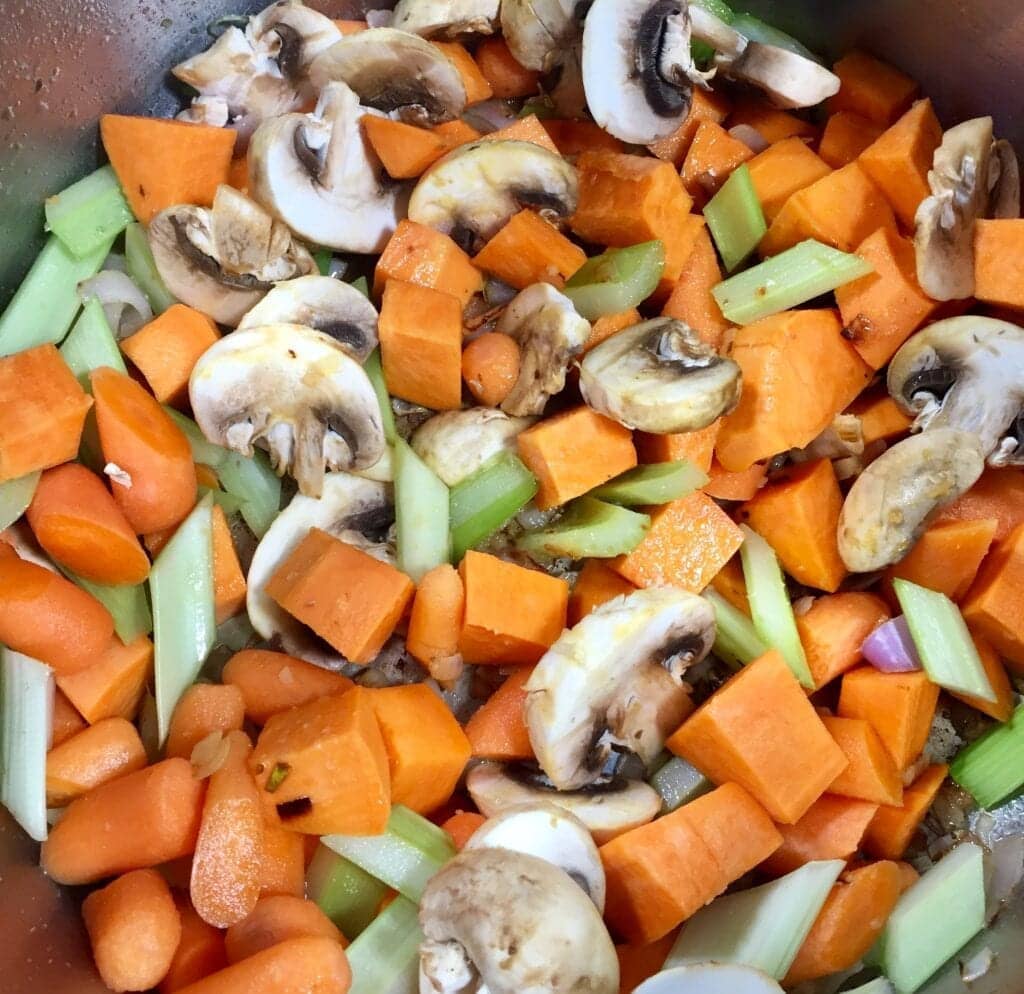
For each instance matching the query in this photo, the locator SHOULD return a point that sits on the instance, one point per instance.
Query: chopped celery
(15, 497)
(770, 608)
(47, 300)
(736, 640)
(991, 768)
(181, 585)
(757, 30)
(89, 213)
(323, 259)
(142, 268)
(375, 372)
(947, 651)
(617, 280)
(26, 725)
(363, 286)
(589, 528)
(385, 959)
(735, 219)
(127, 606)
(203, 451)
(702, 52)
(91, 344)
(656, 483)
(880, 985)
(422, 538)
(679, 783)
(228, 503)
(763, 927)
(485, 502)
(934, 919)
(348, 895)
(786, 280)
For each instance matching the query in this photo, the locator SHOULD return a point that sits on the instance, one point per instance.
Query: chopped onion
(750, 137)
(379, 18)
(890, 648)
(124, 304)
(977, 966)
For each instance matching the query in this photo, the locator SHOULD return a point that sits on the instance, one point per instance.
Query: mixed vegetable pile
(568, 460)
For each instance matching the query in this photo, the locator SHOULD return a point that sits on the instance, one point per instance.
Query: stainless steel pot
(64, 62)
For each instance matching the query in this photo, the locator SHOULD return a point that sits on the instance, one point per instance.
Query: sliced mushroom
(446, 18)
(317, 174)
(223, 260)
(455, 444)
(660, 377)
(249, 76)
(296, 391)
(890, 503)
(357, 511)
(550, 335)
(510, 923)
(548, 832)
(608, 808)
(584, 682)
(972, 176)
(324, 304)
(397, 73)
(539, 32)
(473, 191)
(966, 373)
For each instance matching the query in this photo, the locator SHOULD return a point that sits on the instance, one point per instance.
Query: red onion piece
(890, 648)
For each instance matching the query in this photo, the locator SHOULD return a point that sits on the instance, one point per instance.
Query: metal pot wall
(64, 62)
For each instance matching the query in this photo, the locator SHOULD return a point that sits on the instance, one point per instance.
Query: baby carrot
(277, 919)
(203, 708)
(490, 367)
(436, 621)
(200, 951)
(102, 752)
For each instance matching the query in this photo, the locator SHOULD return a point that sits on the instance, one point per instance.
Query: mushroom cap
(539, 32)
(550, 335)
(660, 377)
(890, 503)
(608, 809)
(965, 373)
(317, 173)
(585, 678)
(548, 832)
(710, 978)
(223, 260)
(474, 190)
(455, 444)
(395, 72)
(788, 79)
(637, 68)
(296, 391)
(519, 924)
(354, 510)
(327, 305)
(446, 18)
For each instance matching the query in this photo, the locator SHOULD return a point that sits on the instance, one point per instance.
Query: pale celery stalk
(91, 344)
(679, 782)
(589, 529)
(735, 219)
(422, 515)
(89, 213)
(655, 483)
(385, 958)
(736, 640)
(991, 768)
(142, 268)
(346, 893)
(373, 369)
(617, 280)
(15, 497)
(127, 606)
(757, 30)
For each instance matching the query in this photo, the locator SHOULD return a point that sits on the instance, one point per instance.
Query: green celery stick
(375, 372)
(679, 782)
(47, 301)
(735, 219)
(347, 894)
(323, 259)
(181, 585)
(251, 479)
(770, 608)
(127, 606)
(142, 268)
(423, 540)
(617, 280)
(228, 503)
(589, 529)
(91, 344)
(203, 451)
(89, 213)
(362, 286)
(757, 30)
(385, 959)
(786, 280)
(702, 52)
(991, 768)
(485, 502)
(15, 497)
(736, 640)
(656, 483)
(948, 653)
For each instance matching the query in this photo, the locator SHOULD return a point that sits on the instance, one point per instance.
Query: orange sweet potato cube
(783, 169)
(871, 88)
(529, 250)
(574, 452)
(772, 124)
(999, 262)
(113, 686)
(713, 156)
(697, 447)
(596, 585)
(611, 324)
(707, 105)
(525, 129)
(846, 135)
(347, 597)
(513, 614)
(995, 603)
(421, 255)
(692, 300)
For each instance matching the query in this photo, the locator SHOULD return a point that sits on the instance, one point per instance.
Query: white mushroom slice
(609, 808)
(223, 260)
(510, 923)
(296, 391)
(397, 73)
(966, 373)
(324, 304)
(660, 377)
(584, 681)
(550, 335)
(455, 444)
(710, 978)
(356, 511)
(446, 18)
(1004, 181)
(890, 503)
(539, 32)
(548, 832)
(248, 76)
(473, 191)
